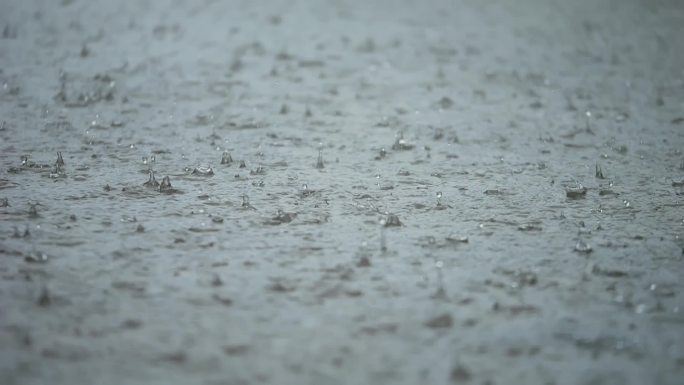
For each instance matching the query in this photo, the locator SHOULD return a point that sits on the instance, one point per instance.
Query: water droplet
(319, 161)
(33, 211)
(152, 181)
(400, 144)
(36, 257)
(203, 171)
(226, 158)
(576, 192)
(383, 153)
(391, 220)
(583, 247)
(259, 171)
(456, 239)
(44, 298)
(165, 185)
(282, 217)
(60, 161)
(245, 202)
(599, 172)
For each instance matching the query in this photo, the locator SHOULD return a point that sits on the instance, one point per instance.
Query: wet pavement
(383, 192)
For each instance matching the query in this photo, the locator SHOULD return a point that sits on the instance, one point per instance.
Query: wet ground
(384, 192)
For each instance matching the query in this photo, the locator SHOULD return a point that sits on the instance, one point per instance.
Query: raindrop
(441, 291)
(364, 262)
(33, 211)
(58, 169)
(282, 217)
(245, 202)
(456, 239)
(36, 257)
(576, 192)
(401, 144)
(305, 191)
(59, 163)
(226, 158)
(203, 171)
(391, 220)
(259, 171)
(599, 172)
(165, 185)
(44, 298)
(319, 161)
(216, 281)
(382, 154)
(152, 181)
(583, 247)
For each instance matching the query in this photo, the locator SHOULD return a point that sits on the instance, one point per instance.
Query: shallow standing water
(480, 192)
